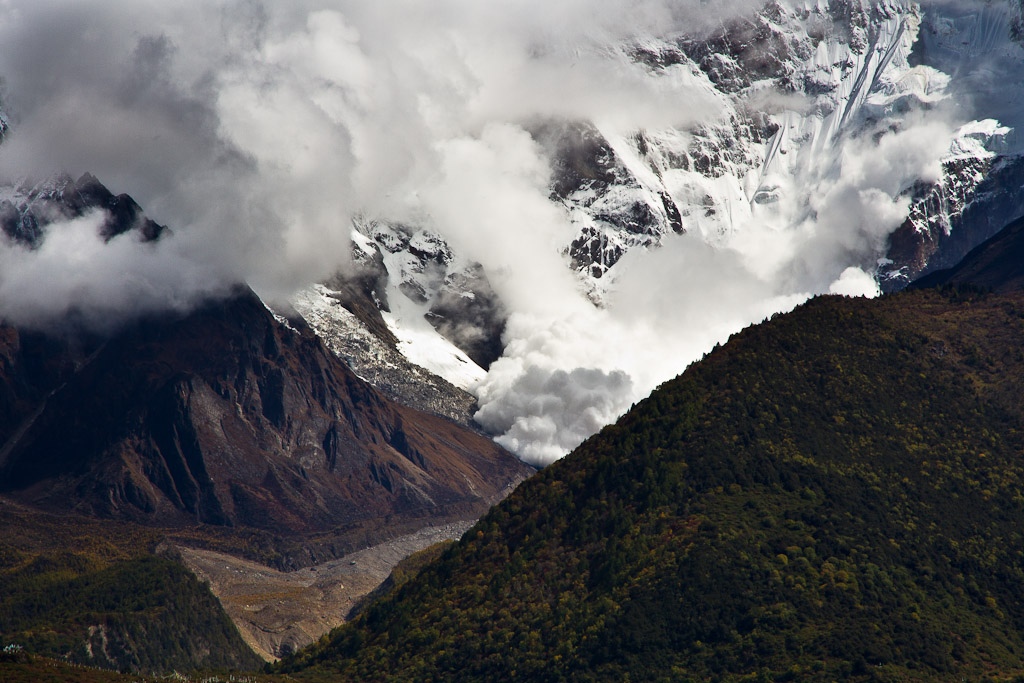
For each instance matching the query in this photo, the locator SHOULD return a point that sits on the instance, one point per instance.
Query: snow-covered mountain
(853, 72)
(854, 141)
(29, 206)
(552, 209)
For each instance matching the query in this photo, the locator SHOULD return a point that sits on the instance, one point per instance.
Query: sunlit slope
(835, 494)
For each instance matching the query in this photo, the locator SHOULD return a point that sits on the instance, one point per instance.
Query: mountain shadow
(996, 264)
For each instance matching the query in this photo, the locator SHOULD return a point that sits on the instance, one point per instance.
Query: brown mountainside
(228, 417)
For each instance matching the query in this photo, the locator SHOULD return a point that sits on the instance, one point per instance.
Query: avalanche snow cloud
(258, 131)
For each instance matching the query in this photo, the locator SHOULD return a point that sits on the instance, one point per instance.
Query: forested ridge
(95, 593)
(836, 493)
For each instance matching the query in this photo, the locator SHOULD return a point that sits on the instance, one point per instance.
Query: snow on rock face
(434, 284)
(436, 384)
(423, 345)
(443, 318)
(852, 71)
(845, 66)
(980, 190)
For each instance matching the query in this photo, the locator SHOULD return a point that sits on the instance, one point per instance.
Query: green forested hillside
(835, 494)
(92, 592)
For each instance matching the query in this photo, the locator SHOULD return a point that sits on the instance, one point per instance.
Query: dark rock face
(586, 172)
(227, 417)
(743, 51)
(951, 218)
(61, 198)
(364, 292)
(124, 213)
(996, 264)
(467, 312)
(581, 157)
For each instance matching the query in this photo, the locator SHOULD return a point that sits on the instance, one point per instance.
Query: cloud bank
(257, 130)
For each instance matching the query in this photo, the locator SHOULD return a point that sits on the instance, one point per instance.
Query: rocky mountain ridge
(223, 416)
(29, 206)
(272, 432)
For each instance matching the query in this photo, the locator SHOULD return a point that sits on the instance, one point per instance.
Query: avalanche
(835, 125)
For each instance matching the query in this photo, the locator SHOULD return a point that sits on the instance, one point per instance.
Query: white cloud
(855, 282)
(76, 276)
(256, 130)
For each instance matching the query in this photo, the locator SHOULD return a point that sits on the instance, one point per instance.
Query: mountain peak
(32, 207)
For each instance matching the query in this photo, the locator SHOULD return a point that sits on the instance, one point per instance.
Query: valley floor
(279, 612)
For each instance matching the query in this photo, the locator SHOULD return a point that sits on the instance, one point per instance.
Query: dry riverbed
(279, 612)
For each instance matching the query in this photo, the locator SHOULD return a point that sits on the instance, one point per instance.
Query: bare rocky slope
(228, 417)
(252, 449)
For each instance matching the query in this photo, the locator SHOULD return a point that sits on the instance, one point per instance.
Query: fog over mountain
(258, 131)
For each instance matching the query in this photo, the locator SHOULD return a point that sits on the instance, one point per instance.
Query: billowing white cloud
(545, 412)
(76, 277)
(854, 282)
(257, 130)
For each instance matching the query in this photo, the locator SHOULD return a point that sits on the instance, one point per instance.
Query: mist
(257, 131)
